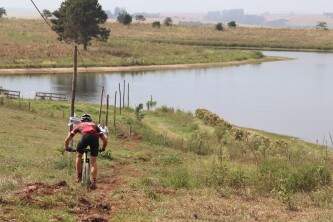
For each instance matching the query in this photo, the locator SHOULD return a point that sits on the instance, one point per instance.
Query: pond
(292, 97)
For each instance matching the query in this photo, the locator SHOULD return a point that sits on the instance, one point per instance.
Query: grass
(31, 44)
(241, 37)
(212, 174)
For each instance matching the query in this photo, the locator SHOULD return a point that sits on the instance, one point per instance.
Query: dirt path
(101, 211)
(132, 68)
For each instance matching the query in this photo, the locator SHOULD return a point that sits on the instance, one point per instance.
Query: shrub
(107, 155)
(199, 143)
(165, 109)
(156, 24)
(124, 18)
(219, 27)
(177, 178)
(168, 21)
(232, 24)
(277, 174)
(237, 178)
(139, 112)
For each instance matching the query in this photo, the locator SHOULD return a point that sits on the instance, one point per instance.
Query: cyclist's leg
(94, 169)
(94, 146)
(80, 150)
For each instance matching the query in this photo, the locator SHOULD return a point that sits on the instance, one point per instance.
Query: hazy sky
(251, 6)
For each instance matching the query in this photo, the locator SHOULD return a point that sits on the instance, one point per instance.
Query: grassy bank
(174, 166)
(31, 44)
(241, 37)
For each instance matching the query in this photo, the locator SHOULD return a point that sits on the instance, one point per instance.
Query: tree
(232, 24)
(47, 13)
(124, 18)
(156, 24)
(3, 12)
(80, 21)
(322, 26)
(219, 26)
(168, 21)
(140, 18)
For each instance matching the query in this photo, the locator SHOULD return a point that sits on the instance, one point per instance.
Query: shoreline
(114, 69)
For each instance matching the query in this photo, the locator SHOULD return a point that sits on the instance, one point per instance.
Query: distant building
(237, 15)
(214, 16)
(233, 14)
(328, 14)
(277, 23)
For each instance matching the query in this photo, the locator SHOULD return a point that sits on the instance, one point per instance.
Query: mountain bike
(86, 173)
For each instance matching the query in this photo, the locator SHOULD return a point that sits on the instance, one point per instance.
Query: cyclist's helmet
(86, 118)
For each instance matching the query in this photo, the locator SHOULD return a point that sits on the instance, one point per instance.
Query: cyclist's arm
(104, 140)
(68, 140)
(70, 137)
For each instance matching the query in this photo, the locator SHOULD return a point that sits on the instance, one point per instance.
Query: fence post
(101, 106)
(120, 99)
(115, 111)
(107, 110)
(124, 93)
(128, 95)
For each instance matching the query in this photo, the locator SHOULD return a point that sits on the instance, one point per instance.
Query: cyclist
(91, 134)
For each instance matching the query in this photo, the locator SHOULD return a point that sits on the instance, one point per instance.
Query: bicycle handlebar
(71, 150)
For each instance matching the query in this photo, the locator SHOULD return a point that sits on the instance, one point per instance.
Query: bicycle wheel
(86, 172)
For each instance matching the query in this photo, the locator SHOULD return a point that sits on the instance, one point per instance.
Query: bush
(124, 18)
(237, 178)
(168, 21)
(199, 143)
(219, 27)
(139, 112)
(232, 24)
(156, 24)
(107, 155)
(277, 174)
(177, 178)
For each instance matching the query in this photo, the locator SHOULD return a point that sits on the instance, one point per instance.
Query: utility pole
(74, 80)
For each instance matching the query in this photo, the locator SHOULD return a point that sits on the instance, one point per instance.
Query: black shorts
(89, 140)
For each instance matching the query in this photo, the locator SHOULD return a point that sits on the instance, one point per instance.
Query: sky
(194, 6)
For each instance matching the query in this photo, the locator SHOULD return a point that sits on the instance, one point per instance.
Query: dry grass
(30, 43)
(239, 37)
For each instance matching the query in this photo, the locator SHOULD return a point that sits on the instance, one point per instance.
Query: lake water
(293, 97)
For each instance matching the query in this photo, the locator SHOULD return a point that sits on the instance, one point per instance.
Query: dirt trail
(103, 208)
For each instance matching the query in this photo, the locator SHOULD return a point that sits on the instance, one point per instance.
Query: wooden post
(124, 93)
(120, 99)
(74, 79)
(107, 110)
(128, 97)
(115, 110)
(101, 106)
(29, 106)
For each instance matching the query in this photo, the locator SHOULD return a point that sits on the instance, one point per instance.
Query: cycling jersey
(87, 128)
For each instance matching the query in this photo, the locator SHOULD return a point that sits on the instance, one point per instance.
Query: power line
(47, 22)
(41, 14)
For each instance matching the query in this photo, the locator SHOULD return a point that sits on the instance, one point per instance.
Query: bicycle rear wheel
(86, 172)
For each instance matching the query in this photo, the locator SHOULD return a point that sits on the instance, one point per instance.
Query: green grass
(153, 178)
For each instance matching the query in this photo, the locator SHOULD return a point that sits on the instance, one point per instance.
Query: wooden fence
(10, 94)
(51, 96)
